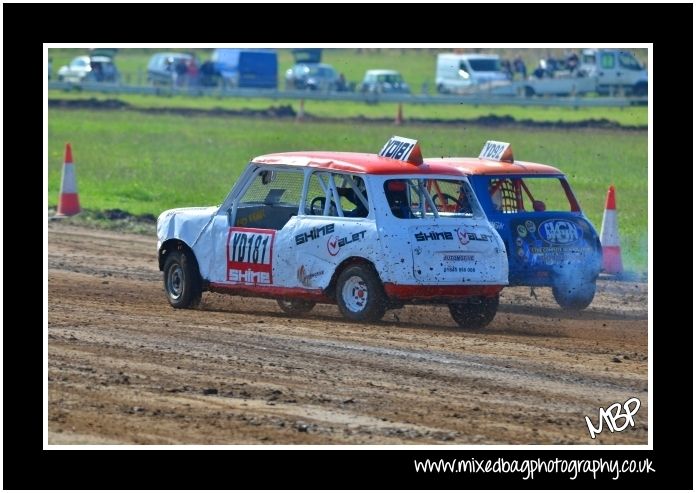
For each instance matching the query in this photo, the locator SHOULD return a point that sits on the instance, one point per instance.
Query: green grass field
(633, 116)
(416, 65)
(148, 163)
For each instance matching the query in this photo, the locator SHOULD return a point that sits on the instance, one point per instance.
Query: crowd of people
(547, 68)
(185, 72)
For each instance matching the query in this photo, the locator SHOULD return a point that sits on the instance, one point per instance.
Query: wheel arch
(174, 244)
(348, 262)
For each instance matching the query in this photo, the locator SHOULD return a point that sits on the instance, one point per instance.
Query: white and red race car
(368, 232)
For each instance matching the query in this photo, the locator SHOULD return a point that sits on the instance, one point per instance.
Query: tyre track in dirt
(124, 367)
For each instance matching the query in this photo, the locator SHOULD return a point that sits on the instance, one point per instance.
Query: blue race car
(549, 241)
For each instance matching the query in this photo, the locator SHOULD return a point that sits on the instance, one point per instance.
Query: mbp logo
(612, 414)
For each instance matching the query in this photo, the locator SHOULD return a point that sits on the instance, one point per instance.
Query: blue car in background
(549, 241)
(247, 67)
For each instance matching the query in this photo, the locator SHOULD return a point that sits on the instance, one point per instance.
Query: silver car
(384, 81)
(89, 69)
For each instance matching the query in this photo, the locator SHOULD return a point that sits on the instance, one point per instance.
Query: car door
(610, 73)
(252, 244)
(455, 246)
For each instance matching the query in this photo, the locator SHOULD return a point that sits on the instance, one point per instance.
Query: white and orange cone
(68, 202)
(611, 246)
(399, 120)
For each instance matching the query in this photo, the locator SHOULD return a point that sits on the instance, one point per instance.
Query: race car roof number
(402, 149)
(497, 151)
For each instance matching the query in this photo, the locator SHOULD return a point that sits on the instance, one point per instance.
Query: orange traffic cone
(611, 247)
(399, 120)
(68, 202)
(300, 114)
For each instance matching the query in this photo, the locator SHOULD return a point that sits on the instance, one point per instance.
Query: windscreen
(531, 194)
(485, 65)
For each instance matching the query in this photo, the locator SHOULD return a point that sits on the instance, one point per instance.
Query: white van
(465, 72)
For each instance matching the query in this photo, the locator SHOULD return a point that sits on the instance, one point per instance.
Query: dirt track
(124, 367)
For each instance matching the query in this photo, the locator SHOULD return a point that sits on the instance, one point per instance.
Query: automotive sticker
(251, 217)
(433, 236)
(314, 233)
(551, 242)
(559, 232)
(402, 149)
(305, 277)
(452, 262)
(467, 236)
(497, 151)
(250, 255)
(334, 243)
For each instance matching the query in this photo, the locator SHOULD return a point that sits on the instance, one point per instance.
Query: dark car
(314, 77)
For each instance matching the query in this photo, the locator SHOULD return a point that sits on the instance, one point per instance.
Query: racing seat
(397, 198)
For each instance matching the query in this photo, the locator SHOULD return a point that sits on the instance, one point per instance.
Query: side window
(451, 196)
(271, 200)
(628, 62)
(336, 194)
(607, 60)
(531, 194)
(421, 198)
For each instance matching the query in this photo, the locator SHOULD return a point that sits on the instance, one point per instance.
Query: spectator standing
(572, 62)
(341, 84)
(207, 74)
(180, 71)
(520, 67)
(191, 72)
(506, 67)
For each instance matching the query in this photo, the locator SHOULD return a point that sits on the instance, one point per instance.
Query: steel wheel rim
(175, 282)
(355, 294)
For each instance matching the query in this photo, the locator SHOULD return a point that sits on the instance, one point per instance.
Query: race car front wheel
(475, 313)
(182, 280)
(574, 296)
(360, 295)
(296, 307)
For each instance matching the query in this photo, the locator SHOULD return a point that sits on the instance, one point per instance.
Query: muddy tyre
(574, 297)
(296, 307)
(182, 280)
(360, 295)
(476, 313)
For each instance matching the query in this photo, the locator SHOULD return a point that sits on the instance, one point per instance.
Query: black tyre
(296, 307)
(360, 294)
(182, 280)
(475, 313)
(574, 296)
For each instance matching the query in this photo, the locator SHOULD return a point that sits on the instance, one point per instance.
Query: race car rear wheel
(475, 313)
(296, 307)
(182, 281)
(360, 295)
(574, 296)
